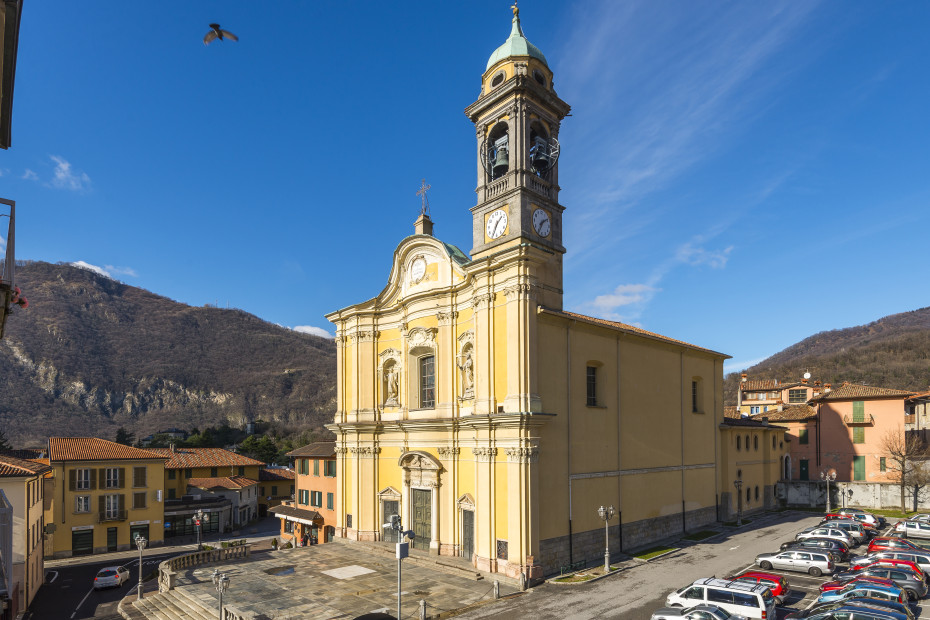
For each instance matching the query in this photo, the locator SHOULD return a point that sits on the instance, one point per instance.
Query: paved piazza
(334, 580)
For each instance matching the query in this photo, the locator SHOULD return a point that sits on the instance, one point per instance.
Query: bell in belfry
(539, 153)
(501, 160)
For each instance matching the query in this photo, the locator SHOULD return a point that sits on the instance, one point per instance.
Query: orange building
(312, 511)
(276, 485)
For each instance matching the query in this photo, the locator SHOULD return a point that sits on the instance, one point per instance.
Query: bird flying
(218, 33)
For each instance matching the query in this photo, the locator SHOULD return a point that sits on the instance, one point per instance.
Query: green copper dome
(516, 45)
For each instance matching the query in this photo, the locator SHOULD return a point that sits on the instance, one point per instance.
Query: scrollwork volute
(421, 337)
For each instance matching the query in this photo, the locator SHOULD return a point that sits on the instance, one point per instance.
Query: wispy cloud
(107, 271)
(29, 175)
(623, 301)
(67, 178)
(691, 255)
(315, 331)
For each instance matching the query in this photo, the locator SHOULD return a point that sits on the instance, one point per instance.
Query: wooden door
(422, 518)
(468, 533)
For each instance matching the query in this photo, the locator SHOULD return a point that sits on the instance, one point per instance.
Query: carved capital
(481, 300)
(448, 452)
(342, 450)
(366, 452)
(367, 335)
(523, 455)
(484, 454)
(447, 318)
(524, 290)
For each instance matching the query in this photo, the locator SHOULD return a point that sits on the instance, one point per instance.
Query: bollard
(422, 609)
(497, 589)
(522, 582)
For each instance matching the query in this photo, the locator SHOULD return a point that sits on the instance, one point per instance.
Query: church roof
(516, 45)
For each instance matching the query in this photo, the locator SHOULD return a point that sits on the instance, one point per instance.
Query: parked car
(111, 576)
(859, 607)
(744, 599)
(776, 583)
(841, 517)
(884, 542)
(922, 560)
(805, 561)
(866, 517)
(825, 532)
(836, 548)
(851, 527)
(836, 584)
(864, 589)
(698, 612)
(913, 529)
(909, 580)
(873, 561)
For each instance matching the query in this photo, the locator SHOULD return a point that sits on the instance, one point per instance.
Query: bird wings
(218, 33)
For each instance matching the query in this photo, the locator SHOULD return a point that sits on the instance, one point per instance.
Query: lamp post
(221, 582)
(606, 514)
(140, 543)
(402, 550)
(828, 477)
(198, 521)
(738, 483)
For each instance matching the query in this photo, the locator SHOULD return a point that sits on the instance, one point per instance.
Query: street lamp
(221, 582)
(738, 483)
(402, 550)
(606, 514)
(198, 521)
(828, 477)
(140, 543)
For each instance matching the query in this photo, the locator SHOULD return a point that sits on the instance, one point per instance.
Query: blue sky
(736, 175)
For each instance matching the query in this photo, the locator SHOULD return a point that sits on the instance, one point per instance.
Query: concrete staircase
(177, 604)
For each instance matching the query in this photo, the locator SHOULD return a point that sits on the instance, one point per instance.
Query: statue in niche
(467, 368)
(391, 382)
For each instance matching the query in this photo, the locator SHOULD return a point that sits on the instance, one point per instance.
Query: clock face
(497, 224)
(541, 222)
(417, 269)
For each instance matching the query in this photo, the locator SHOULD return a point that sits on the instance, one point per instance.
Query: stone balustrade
(168, 570)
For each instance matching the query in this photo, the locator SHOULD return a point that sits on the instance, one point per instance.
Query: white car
(111, 577)
(698, 612)
(826, 532)
(913, 529)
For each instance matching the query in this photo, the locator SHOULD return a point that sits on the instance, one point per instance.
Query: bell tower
(517, 119)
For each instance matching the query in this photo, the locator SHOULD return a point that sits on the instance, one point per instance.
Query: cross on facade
(424, 210)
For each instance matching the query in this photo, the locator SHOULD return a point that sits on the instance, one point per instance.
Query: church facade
(492, 421)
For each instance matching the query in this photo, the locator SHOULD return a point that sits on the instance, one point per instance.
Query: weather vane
(516, 9)
(424, 210)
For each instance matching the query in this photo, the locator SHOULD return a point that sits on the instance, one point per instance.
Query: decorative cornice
(523, 455)
(484, 454)
(466, 337)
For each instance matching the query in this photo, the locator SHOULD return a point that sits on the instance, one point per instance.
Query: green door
(468, 533)
(804, 474)
(859, 468)
(111, 538)
(422, 518)
(82, 542)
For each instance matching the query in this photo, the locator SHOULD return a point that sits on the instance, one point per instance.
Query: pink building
(802, 432)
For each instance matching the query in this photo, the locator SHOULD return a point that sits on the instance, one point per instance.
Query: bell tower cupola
(517, 119)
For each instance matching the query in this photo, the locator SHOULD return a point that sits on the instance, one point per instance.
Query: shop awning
(289, 513)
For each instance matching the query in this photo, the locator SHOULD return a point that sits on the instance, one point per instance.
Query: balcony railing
(113, 515)
(858, 419)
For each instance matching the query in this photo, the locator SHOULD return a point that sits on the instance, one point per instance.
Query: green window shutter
(802, 436)
(882, 466)
(329, 501)
(805, 474)
(858, 435)
(858, 411)
(316, 467)
(859, 468)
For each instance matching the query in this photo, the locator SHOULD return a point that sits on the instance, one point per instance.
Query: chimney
(845, 383)
(743, 377)
(804, 381)
(765, 419)
(817, 383)
(171, 446)
(781, 406)
(423, 225)
(826, 387)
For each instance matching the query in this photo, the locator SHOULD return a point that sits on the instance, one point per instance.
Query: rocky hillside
(892, 352)
(91, 354)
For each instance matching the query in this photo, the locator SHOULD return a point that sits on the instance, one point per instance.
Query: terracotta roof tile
(229, 482)
(271, 474)
(850, 391)
(187, 458)
(93, 449)
(11, 467)
(925, 394)
(623, 327)
(791, 413)
(732, 411)
(323, 449)
(765, 384)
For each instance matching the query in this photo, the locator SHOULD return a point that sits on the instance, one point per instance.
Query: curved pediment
(417, 459)
(422, 264)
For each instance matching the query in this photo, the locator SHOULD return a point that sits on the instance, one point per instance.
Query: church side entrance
(468, 533)
(422, 518)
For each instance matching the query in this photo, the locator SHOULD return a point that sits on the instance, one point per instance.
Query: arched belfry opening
(496, 157)
(544, 151)
(420, 497)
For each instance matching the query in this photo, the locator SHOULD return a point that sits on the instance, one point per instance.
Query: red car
(892, 544)
(889, 562)
(776, 583)
(837, 584)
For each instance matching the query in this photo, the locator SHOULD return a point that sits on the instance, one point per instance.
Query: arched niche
(390, 367)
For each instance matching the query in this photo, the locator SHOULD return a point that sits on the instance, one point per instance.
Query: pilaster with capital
(523, 511)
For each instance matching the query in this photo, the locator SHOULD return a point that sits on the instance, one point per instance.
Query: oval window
(537, 74)
(498, 79)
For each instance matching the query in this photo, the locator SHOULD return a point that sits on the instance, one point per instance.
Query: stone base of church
(447, 549)
(368, 535)
(488, 565)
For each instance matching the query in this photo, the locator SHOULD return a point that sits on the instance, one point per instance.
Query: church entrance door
(422, 518)
(390, 508)
(468, 533)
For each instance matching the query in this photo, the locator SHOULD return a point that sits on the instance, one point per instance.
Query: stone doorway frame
(421, 471)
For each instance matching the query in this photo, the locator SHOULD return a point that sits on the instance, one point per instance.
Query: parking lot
(805, 589)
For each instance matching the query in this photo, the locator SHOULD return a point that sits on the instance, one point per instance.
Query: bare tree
(905, 456)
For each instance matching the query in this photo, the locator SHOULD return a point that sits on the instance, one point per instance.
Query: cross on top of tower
(424, 209)
(515, 9)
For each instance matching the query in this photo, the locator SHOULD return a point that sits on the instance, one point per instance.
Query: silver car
(805, 561)
(851, 527)
(698, 612)
(825, 531)
(111, 577)
(913, 529)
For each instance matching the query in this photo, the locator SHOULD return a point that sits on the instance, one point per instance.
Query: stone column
(523, 512)
(449, 528)
(521, 350)
(485, 510)
(484, 353)
(446, 370)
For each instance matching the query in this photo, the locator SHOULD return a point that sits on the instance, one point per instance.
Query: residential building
(752, 452)
(22, 486)
(312, 511)
(917, 415)
(855, 422)
(759, 396)
(802, 434)
(491, 420)
(105, 494)
(241, 492)
(276, 486)
(182, 465)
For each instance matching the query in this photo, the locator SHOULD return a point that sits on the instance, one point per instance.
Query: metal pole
(221, 604)
(398, 588)
(606, 548)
